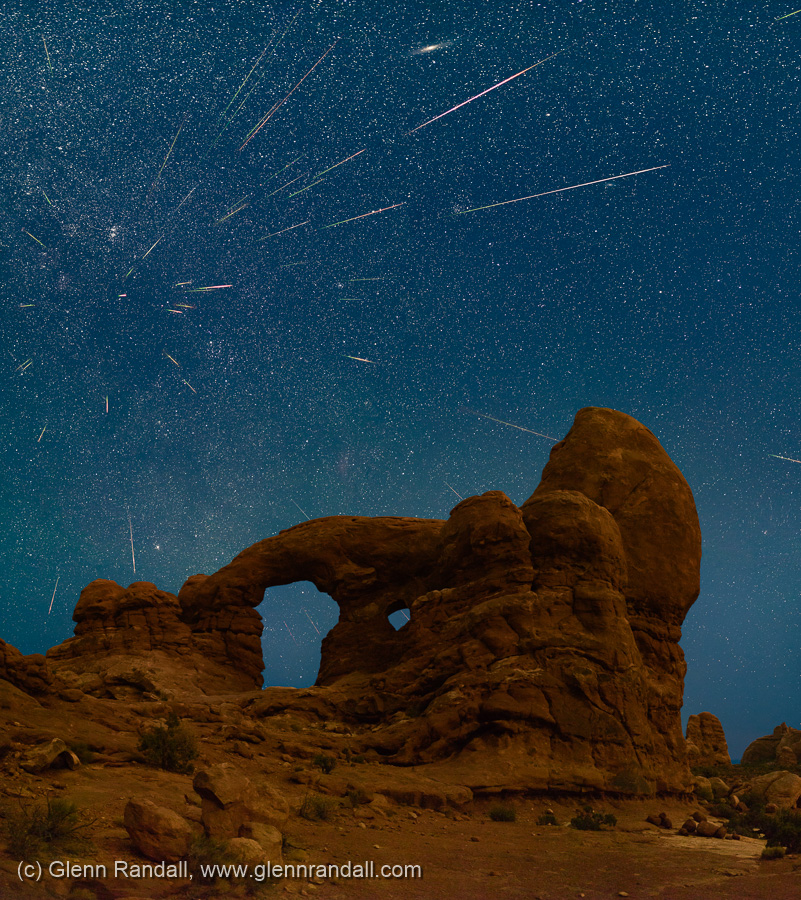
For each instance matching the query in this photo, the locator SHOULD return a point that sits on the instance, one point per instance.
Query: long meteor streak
(302, 510)
(779, 20)
(42, 434)
(152, 186)
(130, 530)
(152, 248)
(788, 458)
(312, 621)
(510, 424)
(35, 238)
(455, 492)
(362, 359)
(364, 215)
(483, 93)
(54, 595)
(279, 105)
(559, 190)
(49, 64)
(340, 163)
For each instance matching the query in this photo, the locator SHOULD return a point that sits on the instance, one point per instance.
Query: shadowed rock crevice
(542, 647)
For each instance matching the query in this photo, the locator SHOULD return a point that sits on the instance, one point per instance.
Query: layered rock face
(782, 747)
(542, 649)
(28, 673)
(706, 741)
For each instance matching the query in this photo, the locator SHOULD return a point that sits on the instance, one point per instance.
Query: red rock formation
(706, 742)
(782, 747)
(542, 650)
(28, 673)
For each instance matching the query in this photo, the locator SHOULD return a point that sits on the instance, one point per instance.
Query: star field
(336, 373)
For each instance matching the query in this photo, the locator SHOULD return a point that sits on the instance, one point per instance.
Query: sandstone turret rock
(706, 741)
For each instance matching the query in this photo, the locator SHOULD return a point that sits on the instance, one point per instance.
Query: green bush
(360, 758)
(32, 830)
(502, 813)
(324, 763)
(171, 747)
(773, 853)
(315, 808)
(782, 828)
(547, 818)
(588, 819)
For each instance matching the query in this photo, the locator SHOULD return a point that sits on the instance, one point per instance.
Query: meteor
(277, 106)
(361, 359)
(43, 431)
(559, 190)
(49, 64)
(152, 186)
(130, 529)
(363, 215)
(510, 424)
(54, 595)
(483, 93)
(779, 20)
(455, 492)
(35, 238)
(788, 458)
(276, 233)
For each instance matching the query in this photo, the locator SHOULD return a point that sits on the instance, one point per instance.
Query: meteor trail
(455, 492)
(303, 511)
(189, 385)
(130, 529)
(364, 215)
(277, 106)
(559, 190)
(304, 189)
(276, 233)
(43, 431)
(152, 186)
(210, 287)
(788, 458)
(290, 633)
(54, 595)
(312, 621)
(779, 20)
(50, 66)
(152, 248)
(175, 361)
(35, 238)
(483, 93)
(340, 163)
(361, 359)
(501, 422)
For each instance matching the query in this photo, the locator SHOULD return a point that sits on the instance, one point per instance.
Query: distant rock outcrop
(542, 648)
(782, 747)
(706, 741)
(28, 673)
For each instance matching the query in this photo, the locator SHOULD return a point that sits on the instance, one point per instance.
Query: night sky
(215, 418)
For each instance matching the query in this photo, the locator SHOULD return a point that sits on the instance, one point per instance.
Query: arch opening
(398, 615)
(296, 618)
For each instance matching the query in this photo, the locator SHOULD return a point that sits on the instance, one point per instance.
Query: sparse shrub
(325, 764)
(782, 829)
(547, 818)
(82, 751)
(775, 852)
(171, 747)
(206, 851)
(502, 813)
(360, 758)
(32, 830)
(357, 797)
(588, 819)
(316, 808)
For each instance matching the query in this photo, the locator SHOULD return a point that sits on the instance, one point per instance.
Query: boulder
(230, 802)
(157, 832)
(702, 788)
(53, 755)
(706, 742)
(719, 788)
(780, 788)
(270, 839)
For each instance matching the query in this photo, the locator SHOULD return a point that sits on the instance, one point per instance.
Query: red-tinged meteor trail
(277, 106)
(559, 190)
(484, 93)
